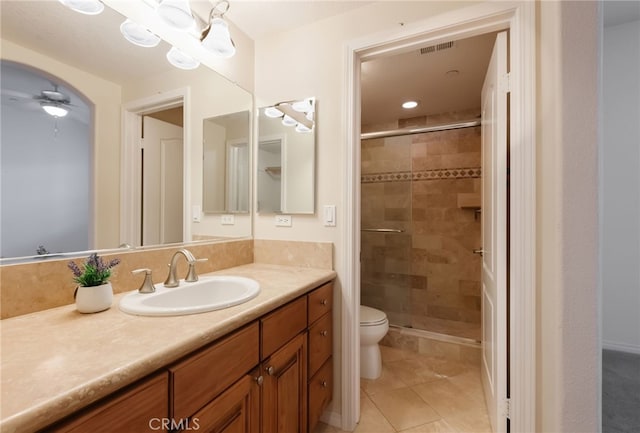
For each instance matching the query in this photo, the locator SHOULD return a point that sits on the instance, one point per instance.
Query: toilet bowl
(373, 326)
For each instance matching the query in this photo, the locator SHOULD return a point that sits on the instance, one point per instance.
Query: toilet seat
(371, 317)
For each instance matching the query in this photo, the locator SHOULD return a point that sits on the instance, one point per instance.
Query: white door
(162, 157)
(171, 191)
(494, 229)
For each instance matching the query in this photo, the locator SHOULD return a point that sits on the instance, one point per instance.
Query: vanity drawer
(320, 342)
(129, 411)
(320, 392)
(282, 325)
(320, 301)
(201, 377)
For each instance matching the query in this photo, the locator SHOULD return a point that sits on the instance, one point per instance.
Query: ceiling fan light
(138, 35)
(176, 14)
(54, 109)
(181, 60)
(87, 7)
(218, 40)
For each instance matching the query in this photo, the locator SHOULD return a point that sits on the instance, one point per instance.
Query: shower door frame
(519, 19)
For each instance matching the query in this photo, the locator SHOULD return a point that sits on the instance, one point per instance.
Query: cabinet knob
(324, 333)
(270, 370)
(324, 384)
(324, 302)
(259, 380)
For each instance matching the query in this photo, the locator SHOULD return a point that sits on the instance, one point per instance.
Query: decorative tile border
(437, 174)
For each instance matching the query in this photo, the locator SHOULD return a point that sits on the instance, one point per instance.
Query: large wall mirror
(87, 60)
(286, 158)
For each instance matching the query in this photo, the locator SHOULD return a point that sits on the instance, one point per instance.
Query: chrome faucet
(191, 277)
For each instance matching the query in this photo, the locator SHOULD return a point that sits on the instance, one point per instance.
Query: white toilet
(373, 326)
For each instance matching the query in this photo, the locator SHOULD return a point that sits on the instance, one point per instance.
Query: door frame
(130, 173)
(519, 18)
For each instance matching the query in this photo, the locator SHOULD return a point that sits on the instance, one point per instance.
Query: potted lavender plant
(94, 292)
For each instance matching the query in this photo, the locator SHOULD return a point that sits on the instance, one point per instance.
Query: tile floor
(420, 394)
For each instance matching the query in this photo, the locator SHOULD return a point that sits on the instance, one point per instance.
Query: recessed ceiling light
(409, 104)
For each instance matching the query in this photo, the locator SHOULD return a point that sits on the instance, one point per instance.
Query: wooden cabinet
(139, 408)
(236, 410)
(202, 376)
(284, 393)
(320, 382)
(274, 375)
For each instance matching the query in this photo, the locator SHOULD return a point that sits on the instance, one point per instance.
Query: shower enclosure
(420, 195)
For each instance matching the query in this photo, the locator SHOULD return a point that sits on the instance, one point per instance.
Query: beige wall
(313, 58)
(210, 95)
(568, 318)
(106, 97)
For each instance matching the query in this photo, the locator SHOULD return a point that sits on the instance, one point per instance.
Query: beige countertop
(57, 361)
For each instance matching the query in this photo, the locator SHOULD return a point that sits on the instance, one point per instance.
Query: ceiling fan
(54, 102)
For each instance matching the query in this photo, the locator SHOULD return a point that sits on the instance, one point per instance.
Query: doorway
(429, 209)
(156, 162)
(469, 22)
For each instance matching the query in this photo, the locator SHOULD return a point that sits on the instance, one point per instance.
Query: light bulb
(54, 110)
(87, 7)
(218, 40)
(181, 60)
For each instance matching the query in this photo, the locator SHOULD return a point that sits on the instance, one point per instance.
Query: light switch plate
(196, 213)
(283, 220)
(227, 220)
(330, 215)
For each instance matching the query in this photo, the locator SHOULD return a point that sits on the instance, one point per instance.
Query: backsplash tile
(294, 253)
(30, 287)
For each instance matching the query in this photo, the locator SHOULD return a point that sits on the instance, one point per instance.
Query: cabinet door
(284, 398)
(237, 410)
(138, 409)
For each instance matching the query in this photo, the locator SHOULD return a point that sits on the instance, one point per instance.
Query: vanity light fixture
(176, 14)
(54, 109)
(294, 113)
(409, 105)
(273, 112)
(216, 37)
(181, 60)
(87, 7)
(138, 35)
(288, 121)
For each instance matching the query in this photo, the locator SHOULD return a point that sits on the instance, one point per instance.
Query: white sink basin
(207, 294)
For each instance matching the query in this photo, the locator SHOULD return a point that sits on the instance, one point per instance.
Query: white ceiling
(443, 81)
(94, 43)
(261, 18)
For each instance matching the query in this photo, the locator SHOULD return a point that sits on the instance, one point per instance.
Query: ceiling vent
(439, 47)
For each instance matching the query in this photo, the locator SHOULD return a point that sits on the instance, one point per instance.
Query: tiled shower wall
(425, 276)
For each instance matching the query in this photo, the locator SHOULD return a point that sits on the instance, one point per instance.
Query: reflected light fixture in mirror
(295, 113)
(87, 7)
(176, 14)
(181, 60)
(138, 35)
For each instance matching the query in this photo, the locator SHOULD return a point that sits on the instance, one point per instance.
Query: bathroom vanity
(265, 365)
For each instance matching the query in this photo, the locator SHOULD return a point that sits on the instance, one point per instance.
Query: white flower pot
(94, 299)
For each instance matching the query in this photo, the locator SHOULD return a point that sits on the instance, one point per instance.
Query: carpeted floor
(620, 392)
